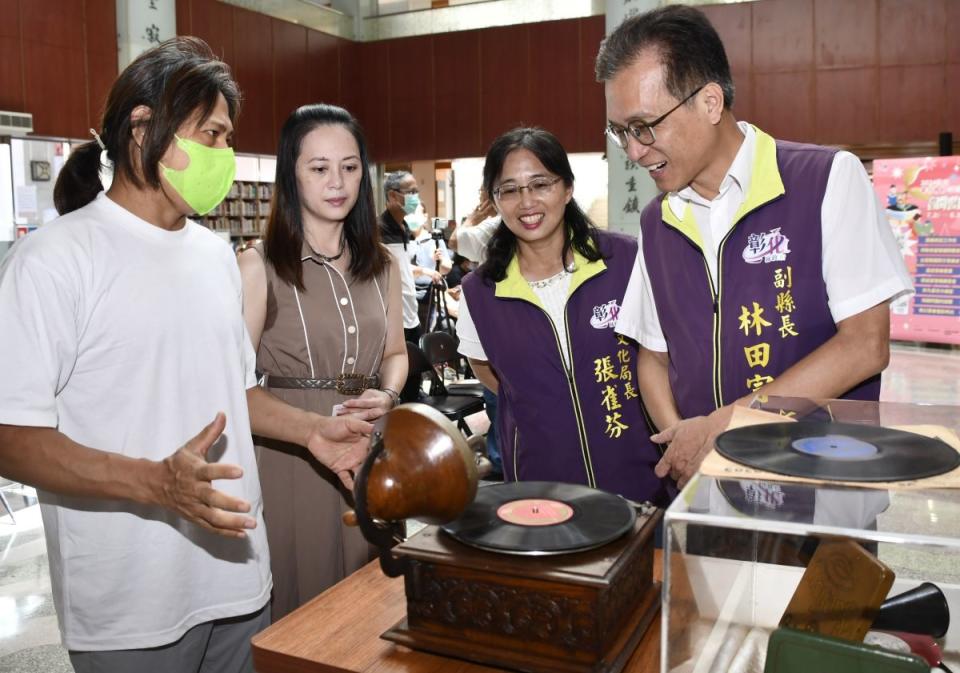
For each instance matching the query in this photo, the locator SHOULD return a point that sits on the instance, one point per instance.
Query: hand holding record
(689, 442)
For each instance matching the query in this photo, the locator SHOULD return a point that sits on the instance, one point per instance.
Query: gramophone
(532, 576)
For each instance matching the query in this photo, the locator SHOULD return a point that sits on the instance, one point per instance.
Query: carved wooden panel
(620, 598)
(568, 621)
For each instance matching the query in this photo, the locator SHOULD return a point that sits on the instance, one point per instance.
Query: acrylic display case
(736, 549)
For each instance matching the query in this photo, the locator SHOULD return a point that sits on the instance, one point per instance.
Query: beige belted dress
(336, 325)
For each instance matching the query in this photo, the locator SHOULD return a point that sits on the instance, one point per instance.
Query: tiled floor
(29, 640)
(922, 374)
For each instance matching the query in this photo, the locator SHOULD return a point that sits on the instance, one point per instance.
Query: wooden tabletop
(339, 632)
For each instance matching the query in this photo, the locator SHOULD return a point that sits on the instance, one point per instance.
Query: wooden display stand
(339, 632)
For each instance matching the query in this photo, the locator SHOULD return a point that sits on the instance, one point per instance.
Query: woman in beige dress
(322, 304)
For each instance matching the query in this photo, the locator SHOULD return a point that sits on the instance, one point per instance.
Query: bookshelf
(243, 214)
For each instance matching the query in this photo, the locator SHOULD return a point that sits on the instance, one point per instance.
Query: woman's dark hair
(690, 50)
(283, 243)
(178, 79)
(579, 232)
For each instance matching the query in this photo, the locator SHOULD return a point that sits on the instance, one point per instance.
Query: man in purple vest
(763, 265)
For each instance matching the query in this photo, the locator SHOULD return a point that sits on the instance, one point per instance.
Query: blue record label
(837, 447)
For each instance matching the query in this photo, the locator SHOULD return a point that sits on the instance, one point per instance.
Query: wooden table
(339, 632)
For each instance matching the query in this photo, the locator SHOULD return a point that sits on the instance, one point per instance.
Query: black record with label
(838, 451)
(540, 518)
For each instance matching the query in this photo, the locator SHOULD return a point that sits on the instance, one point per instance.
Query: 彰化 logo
(771, 246)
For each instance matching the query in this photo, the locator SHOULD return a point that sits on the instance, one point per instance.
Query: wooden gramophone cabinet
(572, 613)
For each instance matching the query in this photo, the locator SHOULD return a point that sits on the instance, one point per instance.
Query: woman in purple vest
(536, 322)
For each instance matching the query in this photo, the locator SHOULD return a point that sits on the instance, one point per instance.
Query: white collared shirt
(714, 217)
(862, 264)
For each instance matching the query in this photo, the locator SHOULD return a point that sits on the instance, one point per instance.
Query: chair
(454, 407)
(441, 351)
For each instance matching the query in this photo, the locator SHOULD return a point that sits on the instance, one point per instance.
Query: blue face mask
(410, 202)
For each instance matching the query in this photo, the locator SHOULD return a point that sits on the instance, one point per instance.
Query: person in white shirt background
(431, 260)
(470, 238)
(403, 198)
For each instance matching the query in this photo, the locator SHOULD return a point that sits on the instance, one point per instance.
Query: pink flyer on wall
(921, 198)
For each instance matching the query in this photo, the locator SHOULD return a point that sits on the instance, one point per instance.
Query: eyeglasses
(538, 187)
(408, 191)
(643, 131)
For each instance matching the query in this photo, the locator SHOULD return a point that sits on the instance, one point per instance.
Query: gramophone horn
(419, 467)
(426, 470)
(920, 610)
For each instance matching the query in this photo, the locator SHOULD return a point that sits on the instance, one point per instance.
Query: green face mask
(207, 180)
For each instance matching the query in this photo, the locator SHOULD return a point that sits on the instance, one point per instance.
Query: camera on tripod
(437, 226)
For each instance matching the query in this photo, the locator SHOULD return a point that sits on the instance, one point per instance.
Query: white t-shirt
(129, 338)
(472, 241)
(408, 289)
(862, 265)
(467, 335)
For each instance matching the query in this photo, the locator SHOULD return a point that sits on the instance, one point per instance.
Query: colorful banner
(921, 198)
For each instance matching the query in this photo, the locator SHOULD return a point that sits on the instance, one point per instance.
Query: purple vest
(769, 309)
(586, 426)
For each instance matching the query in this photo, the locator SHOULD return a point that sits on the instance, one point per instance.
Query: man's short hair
(392, 181)
(689, 47)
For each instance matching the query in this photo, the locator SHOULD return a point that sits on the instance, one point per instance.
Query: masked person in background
(431, 263)
(403, 198)
(403, 216)
(123, 336)
(322, 304)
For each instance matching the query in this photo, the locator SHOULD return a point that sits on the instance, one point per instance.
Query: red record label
(535, 512)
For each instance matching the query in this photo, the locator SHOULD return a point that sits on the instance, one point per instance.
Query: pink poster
(921, 198)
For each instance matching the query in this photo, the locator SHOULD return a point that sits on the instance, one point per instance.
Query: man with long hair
(122, 337)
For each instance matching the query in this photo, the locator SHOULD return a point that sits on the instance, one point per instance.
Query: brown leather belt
(345, 384)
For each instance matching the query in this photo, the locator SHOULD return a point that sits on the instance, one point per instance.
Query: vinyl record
(540, 518)
(838, 451)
